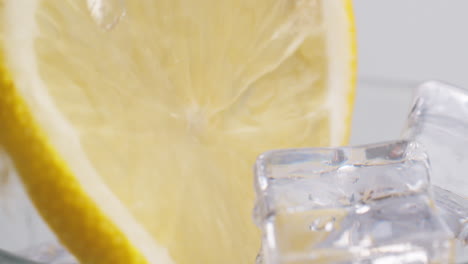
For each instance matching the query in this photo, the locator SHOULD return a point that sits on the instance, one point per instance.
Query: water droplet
(330, 225)
(326, 224)
(362, 209)
(107, 13)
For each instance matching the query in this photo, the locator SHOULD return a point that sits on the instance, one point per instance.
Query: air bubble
(326, 224)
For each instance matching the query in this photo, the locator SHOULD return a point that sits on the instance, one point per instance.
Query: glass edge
(10, 258)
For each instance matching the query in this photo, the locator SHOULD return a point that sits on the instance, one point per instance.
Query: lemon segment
(135, 141)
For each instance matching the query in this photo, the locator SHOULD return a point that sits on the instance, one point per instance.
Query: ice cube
(454, 210)
(366, 204)
(439, 121)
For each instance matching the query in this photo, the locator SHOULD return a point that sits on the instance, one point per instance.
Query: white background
(402, 43)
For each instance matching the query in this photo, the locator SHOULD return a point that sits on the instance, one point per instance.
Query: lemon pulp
(160, 117)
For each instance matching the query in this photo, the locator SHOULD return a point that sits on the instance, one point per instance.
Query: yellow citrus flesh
(135, 137)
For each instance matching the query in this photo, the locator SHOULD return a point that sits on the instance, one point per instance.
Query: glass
(25, 238)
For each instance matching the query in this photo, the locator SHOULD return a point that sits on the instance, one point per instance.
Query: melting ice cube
(365, 204)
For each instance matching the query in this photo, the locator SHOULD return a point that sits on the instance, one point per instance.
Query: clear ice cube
(439, 121)
(367, 204)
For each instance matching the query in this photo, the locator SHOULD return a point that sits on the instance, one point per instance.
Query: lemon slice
(134, 125)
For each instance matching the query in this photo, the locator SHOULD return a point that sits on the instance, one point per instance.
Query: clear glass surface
(364, 204)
